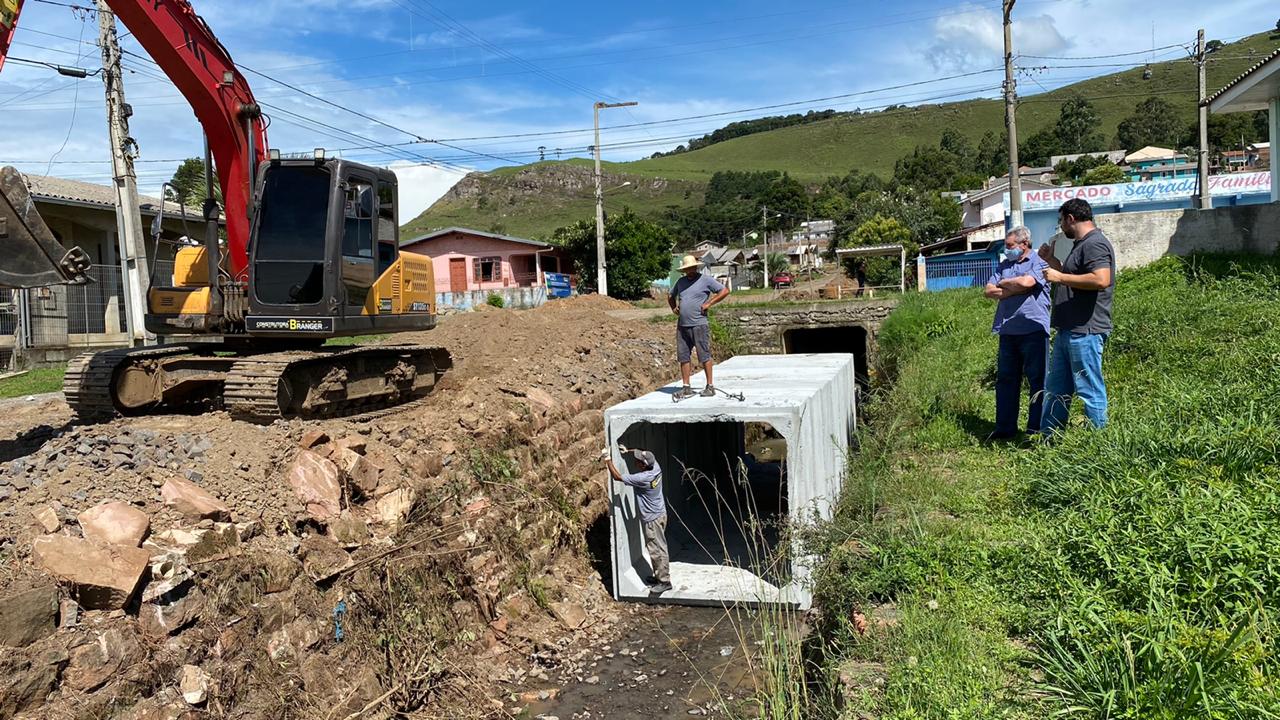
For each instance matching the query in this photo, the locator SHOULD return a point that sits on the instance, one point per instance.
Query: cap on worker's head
(689, 262)
(645, 457)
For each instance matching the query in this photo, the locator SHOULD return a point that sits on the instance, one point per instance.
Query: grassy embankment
(1127, 573)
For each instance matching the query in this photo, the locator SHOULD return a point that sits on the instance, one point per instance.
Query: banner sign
(1171, 190)
(558, 285)
(9, 10)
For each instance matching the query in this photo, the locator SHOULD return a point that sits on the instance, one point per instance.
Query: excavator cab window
(387, 229)
(357, 241)
(290, 245)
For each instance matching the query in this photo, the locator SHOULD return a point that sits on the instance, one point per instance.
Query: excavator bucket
(30, 256)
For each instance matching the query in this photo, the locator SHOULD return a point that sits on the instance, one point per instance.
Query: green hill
(533, 200)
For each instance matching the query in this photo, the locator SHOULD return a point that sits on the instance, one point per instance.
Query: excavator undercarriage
(257, 388)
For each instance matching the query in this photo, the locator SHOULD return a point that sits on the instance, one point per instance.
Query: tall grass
(1127, 573)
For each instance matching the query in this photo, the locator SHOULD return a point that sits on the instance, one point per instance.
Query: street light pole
(602, 275)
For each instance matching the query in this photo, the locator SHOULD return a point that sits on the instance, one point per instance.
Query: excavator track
(88, 384)
(360, 381)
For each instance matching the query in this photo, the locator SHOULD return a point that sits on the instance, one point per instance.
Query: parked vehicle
(783, 279)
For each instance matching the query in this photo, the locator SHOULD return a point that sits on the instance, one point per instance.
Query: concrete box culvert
(727, 510)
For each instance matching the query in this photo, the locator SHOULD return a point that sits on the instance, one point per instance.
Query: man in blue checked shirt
(1022, 322)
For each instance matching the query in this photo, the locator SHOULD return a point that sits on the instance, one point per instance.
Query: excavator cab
(324, 261)
(324, 257)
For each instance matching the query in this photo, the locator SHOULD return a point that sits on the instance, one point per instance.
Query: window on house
(488, 269)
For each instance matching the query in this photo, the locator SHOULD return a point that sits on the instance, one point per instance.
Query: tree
(638, 251)
(1075, 170)
(1105, 175)
(1230, 131)
(993, 154)
(958, 145)
(1037, 149)
(880, 230)
(1077, 126)
(1153, 122)
(1213, 46)
(189, 186)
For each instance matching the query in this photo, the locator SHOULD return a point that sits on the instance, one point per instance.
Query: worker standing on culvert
(647, 482)
(696, 294)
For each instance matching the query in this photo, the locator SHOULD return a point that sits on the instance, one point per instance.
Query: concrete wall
(1143, 237)
(512, 297)
(763, 328)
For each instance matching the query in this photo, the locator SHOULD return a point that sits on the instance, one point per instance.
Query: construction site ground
(448, 559)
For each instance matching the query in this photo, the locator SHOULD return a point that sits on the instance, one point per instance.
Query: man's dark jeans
(1020, 356)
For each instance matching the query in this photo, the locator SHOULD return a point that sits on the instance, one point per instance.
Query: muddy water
(671, 662)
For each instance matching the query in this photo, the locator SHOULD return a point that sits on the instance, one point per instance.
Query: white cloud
(420, 186)
(974, 38)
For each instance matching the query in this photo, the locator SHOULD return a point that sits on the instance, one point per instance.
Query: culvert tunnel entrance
(850, 339)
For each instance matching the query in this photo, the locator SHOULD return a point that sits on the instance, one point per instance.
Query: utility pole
(602, 275)
(764, 232)
(1204, 201)
(133, 251)
(1010, 118)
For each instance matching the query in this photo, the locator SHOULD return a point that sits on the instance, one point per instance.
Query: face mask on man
(1013, 253)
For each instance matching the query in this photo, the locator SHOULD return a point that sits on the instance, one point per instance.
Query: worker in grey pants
(647, 483)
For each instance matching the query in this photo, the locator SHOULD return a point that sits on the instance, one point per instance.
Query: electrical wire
(74, 110)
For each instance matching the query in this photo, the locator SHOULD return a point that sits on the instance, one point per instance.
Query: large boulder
(114, 523)
(170, 613)
(105, 577)
(315, 480)
(192, 501)
(26, 617)
(98, 659)
(27, 678)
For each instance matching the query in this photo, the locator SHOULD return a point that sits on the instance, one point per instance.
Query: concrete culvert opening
(726, 493)
(737, 474)
(851, 339)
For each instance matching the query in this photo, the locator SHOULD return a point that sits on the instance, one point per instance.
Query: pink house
(467, 260)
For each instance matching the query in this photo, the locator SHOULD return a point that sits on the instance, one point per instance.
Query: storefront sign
(1151, 191)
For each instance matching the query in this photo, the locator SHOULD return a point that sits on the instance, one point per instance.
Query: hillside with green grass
(1122, 573)
(533, 200)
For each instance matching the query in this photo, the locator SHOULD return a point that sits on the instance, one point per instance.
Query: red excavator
(312, 253)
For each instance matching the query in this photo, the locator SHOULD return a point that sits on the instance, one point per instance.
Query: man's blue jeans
(1075, 368)
(1020, 356)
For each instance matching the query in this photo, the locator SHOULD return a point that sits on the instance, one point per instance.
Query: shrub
(495, 300)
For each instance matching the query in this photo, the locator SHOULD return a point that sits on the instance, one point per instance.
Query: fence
(969, 271)
(51, 324)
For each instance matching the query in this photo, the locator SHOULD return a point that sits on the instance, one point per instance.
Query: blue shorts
(689, 337)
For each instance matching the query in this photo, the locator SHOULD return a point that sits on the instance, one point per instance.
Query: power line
(402, 154)
(340, 107)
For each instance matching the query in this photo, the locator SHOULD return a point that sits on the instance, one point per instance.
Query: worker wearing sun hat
(691, 296)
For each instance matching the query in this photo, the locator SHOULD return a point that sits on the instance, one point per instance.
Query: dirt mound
(417, 560)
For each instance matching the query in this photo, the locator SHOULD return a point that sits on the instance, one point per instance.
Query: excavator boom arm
(188, 52)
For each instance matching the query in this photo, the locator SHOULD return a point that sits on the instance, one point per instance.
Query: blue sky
(452, 71)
